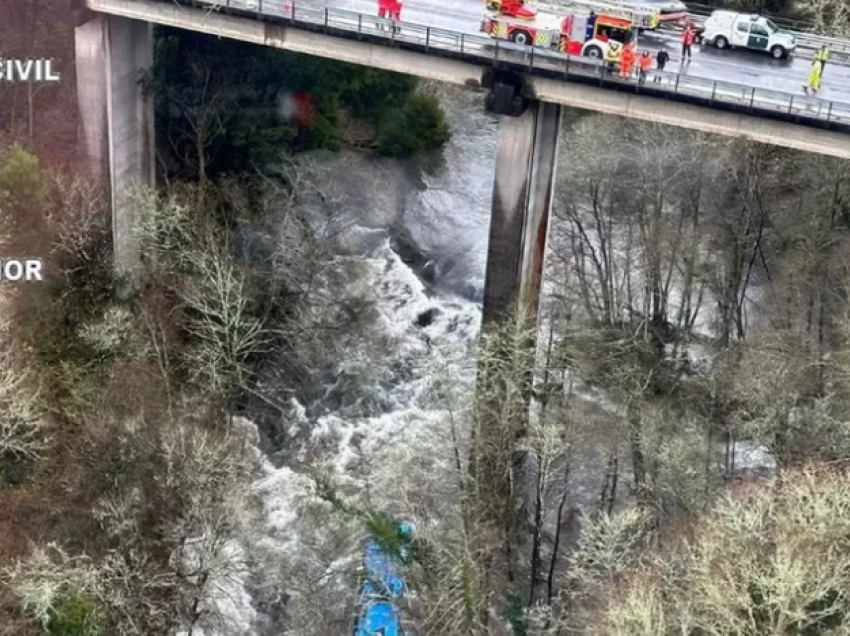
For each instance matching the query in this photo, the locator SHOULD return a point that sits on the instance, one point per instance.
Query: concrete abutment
(113, 56)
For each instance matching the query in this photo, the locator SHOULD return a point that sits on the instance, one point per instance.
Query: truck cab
(727, 29)
(599, 30)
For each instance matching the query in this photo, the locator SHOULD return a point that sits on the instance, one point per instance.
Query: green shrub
(24, 184)
(201, 79)
(418, 126)
(78, 615)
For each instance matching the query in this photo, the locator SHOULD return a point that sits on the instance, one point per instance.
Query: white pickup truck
(727, 29)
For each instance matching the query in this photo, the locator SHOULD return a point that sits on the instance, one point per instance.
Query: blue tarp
(381, 588)
(382, 568)
(379, 616)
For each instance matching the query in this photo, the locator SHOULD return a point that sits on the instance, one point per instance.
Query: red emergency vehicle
(645, 15)
(577, 33)
(512, 9)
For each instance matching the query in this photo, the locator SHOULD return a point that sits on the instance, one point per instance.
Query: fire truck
(645, 16)
(576, 33)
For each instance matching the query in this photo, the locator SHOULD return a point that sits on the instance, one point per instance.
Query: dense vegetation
(119, 456)
(219, 106)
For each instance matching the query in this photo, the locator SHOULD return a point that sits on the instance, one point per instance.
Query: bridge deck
(796, 121)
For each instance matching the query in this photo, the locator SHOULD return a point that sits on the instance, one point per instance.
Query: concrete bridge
(526, 86)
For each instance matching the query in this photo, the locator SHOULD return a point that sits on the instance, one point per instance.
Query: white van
(727, 29)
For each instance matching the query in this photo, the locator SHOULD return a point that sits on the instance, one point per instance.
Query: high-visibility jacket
(612, 55)
(814, 74)
(688, 37)
(822, 54)
(645, 62)
(628, 56)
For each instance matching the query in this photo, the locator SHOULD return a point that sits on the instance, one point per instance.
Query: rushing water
(419, 237)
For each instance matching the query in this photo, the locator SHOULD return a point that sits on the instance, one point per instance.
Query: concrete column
(522, 199)
(131, 141)
(116, 118)
(90, 61)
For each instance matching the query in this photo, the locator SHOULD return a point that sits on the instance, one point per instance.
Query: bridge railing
(542, 61)
(807, 35)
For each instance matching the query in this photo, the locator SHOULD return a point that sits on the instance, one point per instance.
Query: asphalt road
(740, 67)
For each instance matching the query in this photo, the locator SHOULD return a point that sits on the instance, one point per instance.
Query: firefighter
(687, 40)
(383, 11)
(590, 27)
(822, 56)
(612, 56)
(627, 62)
(396, 16)
(661, 61)
(644, 65)
(814, 80)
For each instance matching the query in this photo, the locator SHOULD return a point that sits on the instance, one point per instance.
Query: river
(419, 237)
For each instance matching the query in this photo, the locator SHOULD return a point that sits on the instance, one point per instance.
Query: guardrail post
(790, 104)
(676, 87)
(531, 59)
(713, 90)
(829, 111)
(461, 42)
(326, 17)
(359, 23)
(496, 54)
(427, 37)
(752, 98)
(293, 11)
(260, 9)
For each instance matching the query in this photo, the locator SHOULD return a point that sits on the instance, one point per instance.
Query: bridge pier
(112, 55)
(523, 190)
(522, 199)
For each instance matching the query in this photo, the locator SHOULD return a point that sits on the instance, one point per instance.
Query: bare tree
(23, 427)
(773, 562)
(204, 110)
(180, 571)
(829, 17)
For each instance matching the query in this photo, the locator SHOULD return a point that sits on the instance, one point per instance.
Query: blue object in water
(379, 619)
(383, 586)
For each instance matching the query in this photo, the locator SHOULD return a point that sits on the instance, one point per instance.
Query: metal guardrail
(486, 51)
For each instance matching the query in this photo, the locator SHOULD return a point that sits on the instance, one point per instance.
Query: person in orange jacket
(396, 16)
(627, 62)
(644, 66)
(688, 40)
